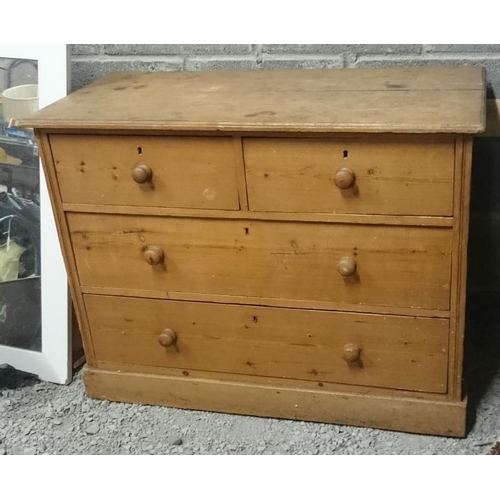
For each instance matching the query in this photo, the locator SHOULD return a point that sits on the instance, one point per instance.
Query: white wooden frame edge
(53, 363)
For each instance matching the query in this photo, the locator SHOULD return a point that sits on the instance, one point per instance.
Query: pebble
(92, 429)
(112, 428)
(5, 405)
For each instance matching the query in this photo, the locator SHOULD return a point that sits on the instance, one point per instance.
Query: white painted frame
(53, 363)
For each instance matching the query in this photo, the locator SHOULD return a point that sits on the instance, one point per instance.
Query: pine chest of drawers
(279, 243)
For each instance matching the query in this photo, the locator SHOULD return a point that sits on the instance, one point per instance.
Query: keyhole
(139, 151)
(346, 153)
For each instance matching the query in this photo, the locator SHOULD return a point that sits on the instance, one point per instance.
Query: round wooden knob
(167, 338)
(347, 266)
(344, 178)
(142, 174)
(351, 353)
(154, 255)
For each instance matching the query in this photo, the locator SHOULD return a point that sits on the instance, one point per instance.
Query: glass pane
(20, 287)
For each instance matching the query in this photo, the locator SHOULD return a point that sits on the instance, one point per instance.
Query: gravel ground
(42, 418)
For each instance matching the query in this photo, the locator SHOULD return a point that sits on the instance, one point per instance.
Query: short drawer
(380, 265)
(369, 350)
(401, 175)
(174, 172)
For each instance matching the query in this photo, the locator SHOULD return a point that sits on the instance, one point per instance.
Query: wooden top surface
(415, 100)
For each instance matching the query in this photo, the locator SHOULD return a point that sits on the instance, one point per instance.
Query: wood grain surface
(394, 413)
(416, 100)
(400, 175)
(188, 172)
(278, 243)
(396, 266)
(393, 352)
(382, 220)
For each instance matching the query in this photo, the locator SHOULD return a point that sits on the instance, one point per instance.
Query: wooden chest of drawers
(283, 243)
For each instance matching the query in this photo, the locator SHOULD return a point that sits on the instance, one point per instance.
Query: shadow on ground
(482, 348)
(10, 378)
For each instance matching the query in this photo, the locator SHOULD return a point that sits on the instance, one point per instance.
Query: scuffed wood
(396, 266)
(394, 352)
(416, 100)
(397, 175)
(187, 172)
(393, 413)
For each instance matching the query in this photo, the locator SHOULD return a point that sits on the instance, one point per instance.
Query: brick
(388, 49)
(84, 72)
(297, 62)
(174, 49)
(492, 65)
(85, 49)
(302, 49)
(461, 48)
(342, 48)
(221, 64)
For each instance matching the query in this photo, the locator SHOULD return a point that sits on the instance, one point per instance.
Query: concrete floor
(43, 418)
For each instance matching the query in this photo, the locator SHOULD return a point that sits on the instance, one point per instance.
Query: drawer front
(186, 172)
(377, 175)
(395, 352)
(390, 265)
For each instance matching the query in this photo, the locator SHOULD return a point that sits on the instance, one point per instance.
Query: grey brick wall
(92, 61)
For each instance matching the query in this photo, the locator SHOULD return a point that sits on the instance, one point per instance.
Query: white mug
(19, 102)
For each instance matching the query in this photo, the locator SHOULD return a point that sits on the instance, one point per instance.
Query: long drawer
(180, 172)
(362, 349)
(402, 175)
(331, 263)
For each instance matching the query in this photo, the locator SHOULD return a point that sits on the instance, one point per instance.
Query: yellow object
(9, 261)
(5, 158)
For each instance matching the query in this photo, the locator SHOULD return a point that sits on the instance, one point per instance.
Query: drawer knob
(167, 338)
(142, 174)
(344, 178)
(351, 353)
(154, 255)
(347, 266)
